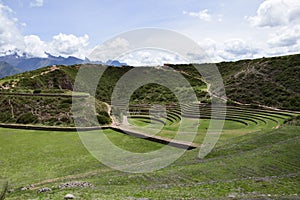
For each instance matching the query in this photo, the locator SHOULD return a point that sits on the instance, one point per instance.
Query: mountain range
(16, 63)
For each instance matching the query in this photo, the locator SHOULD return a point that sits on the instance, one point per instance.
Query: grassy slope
(36, 110)
(266, 81)
(253, 165)
(49, 111)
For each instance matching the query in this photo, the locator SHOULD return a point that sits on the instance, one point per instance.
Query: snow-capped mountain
(15, 63)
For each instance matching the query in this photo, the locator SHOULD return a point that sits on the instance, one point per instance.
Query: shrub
(103, 118)
(64, 106)
(27, 118)
(103, 113)
(5, 116)
(69, 101)
(37, 91)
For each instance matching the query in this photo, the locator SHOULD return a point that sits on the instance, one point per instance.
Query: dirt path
(53, 68)
(109, 111)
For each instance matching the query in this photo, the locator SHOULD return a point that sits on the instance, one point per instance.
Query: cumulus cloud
(110, 49)
(231, 49)
(69, 45)
(287, 36)
(34, 46)
(11, 39)
(283, 19)
(273, 13)
(36, 3)
(236, 47)
(151, 57)
(203, 15)
(10, 36)
(61, 45)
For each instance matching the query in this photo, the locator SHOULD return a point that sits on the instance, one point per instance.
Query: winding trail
(109, 111)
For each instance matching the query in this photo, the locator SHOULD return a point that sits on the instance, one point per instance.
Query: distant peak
(115, 63)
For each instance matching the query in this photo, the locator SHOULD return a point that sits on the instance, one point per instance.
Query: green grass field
(258, 160)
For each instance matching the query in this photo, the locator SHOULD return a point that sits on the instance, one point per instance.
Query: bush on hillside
(27, 118)
(103, 118)
(37, 91)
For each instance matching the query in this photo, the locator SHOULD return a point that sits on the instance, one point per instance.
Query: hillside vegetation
(46, 110)
(273, 82)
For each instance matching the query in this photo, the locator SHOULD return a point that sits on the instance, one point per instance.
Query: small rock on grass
(69, 196)
(42, 190)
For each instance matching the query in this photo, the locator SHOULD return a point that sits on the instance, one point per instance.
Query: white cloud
(151, 57)
(34, 46)
(232, 49)
(283, 19)
(61, 45)
(69, 45)
(286, 37)
(110, 49)
(203, 15)
(10, 36)
(220, 18)
(273, 13)
(36, 3)
(236, 47)
(11, 40)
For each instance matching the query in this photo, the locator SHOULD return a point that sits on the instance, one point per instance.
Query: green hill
(273, 82)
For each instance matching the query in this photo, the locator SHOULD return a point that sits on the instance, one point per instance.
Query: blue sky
(227, 30)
